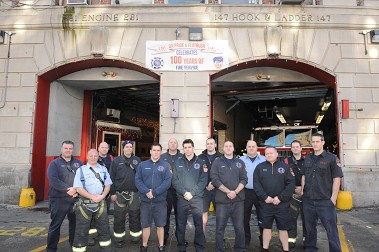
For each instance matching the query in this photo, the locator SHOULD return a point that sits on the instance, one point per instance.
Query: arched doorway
(40, 156)
(251, 96)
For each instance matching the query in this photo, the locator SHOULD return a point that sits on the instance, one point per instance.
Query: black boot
(161, 248)
(264, 250)
(143, 249)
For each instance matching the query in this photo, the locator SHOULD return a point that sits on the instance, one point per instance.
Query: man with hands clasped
(274, 184)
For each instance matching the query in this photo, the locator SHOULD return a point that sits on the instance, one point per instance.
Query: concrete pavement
(25, 229)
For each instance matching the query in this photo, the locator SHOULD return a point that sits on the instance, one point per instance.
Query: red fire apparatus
(282, 136)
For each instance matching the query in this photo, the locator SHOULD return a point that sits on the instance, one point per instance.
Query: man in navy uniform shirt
(320, 183)
(61, 173)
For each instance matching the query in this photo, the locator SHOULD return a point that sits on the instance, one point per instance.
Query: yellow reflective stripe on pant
(105, 243)
(120, 235)
(136, 234)
(81, 249)
(92, 231)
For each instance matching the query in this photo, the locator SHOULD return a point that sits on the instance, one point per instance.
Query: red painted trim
(40, 161)
(40, 137)
(86, 125)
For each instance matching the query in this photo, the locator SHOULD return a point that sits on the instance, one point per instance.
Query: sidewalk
(25, 229)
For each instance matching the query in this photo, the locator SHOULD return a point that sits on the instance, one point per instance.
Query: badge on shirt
(239, 165)
(160, 168)
(196, 166)
(135, 162)
(281, 170)
(205, 168)
(76, 165)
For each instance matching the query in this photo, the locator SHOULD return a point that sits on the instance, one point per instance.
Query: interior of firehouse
(273, 106)
(124, 106)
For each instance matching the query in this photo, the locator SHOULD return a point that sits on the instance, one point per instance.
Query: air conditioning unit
(77, 2)
(115, 113)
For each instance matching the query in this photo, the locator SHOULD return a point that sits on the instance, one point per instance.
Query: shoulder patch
(338, 162)
(205, 168)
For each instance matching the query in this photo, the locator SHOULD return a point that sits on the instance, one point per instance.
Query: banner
(178, 55)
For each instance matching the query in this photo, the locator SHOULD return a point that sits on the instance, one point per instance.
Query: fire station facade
(53, 44)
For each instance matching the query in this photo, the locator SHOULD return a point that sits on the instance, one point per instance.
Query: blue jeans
(196, 207)
(326, 212)
(234, 210)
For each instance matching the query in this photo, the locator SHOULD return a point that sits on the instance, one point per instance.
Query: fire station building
(150, 70)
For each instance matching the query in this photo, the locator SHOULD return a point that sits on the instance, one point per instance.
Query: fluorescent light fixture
(325, 106)
(281, 118)
(195, 33)
(374, 36)
(319, 118)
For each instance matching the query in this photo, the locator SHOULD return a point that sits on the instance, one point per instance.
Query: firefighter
(251, 160)
(229, 177)
(170, 157)
(320, 184)
(105, 160)
(274, 184)
(153, 178)
(209, 155)
(189, 180)
(124, 195)
(61, 174)
(92, 182)
(295, 162)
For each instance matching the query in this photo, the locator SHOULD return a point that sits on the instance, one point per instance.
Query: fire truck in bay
(282, 136)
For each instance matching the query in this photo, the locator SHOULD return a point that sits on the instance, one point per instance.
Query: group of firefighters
(149, 190)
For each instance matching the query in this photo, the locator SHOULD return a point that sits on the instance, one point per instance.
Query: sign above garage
(178, 55)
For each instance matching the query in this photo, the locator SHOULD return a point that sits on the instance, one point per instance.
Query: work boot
(143, 248)
(119, 244)
(161, 248)
(292, 242)
(264, 250)
(91, 241)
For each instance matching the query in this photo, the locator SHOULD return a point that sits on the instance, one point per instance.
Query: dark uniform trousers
(196, 207)
(234, 210)
(172, 202)
(131, 206)
(296, 209)
(251, 199)
(83, 222)
(326, 212)
(59, 208)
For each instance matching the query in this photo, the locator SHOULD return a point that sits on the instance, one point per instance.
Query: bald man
(251, 160)
(170, 157)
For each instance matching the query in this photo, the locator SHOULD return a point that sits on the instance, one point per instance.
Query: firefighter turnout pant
(296, 209)
(127, 202)
(84, 214)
